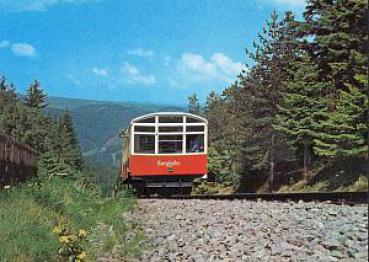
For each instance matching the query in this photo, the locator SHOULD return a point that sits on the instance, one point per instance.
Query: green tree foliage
(344, 133)
(194, 105)
(219, 164)
(274, 52)
(69, 149)
(340, 50)
(302, 108)
(305, 97)
(8, 106)
(214, 112)
(54, 139)
(35, 97)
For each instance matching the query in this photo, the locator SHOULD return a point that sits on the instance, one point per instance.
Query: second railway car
(165, 152)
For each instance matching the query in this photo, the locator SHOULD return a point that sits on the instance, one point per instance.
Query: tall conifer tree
(302, 108)
(194, 105)
(35, 97)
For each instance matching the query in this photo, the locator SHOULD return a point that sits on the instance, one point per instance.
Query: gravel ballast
(241, 230)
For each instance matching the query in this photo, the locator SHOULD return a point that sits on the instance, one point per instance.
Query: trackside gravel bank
(240, 230)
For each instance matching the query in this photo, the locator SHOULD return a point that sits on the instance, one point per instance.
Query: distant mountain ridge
(98, 123)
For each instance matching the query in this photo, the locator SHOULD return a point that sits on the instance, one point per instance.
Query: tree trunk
(305, 158)
(367, 111)
(271, 174)
(367, 116)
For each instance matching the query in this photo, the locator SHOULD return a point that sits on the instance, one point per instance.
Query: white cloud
(36, 5)
(19, 49)
(100, 71)
(218, 67)
(23, 49)
(141, 52)
(4, 44)
(227, 65)
(133, 75)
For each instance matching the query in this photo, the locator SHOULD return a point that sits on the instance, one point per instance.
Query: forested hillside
(98, 124)
(299, 113)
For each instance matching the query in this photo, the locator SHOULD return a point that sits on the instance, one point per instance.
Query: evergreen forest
(297, 118)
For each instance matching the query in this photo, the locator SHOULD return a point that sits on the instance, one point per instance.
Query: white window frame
(184, 134)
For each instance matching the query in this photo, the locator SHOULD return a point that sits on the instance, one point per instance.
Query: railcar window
(195, 129)
(170, 119)
(170, 144)
(170, 129)
(144, 144)
(195, 143)
(147, 120)
(146, 129)
(192, 120)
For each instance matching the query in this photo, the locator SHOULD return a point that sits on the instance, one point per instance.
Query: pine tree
(69, 148)
(339, 48)
(8, 107)
(35, 121)
(302, 108)
(36, 97)
(194, 105)
(214, 113)
(55, 141)
(49, 164)
(273, 56)
(344, 133)
(340, 34)
(3, 85)
(236, 128)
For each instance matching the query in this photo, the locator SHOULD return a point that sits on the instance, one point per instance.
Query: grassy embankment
(63, 219)
(360, 185)
(347, 175)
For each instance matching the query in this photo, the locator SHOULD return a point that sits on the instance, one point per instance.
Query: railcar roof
(169, 114)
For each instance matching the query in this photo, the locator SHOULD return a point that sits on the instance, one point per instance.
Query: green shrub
(302, 187)
(30, 213)
(361, 185)
(204, 187)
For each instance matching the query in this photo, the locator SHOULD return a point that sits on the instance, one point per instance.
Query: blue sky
(133, 50)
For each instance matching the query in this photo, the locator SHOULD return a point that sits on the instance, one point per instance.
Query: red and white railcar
(165, 151)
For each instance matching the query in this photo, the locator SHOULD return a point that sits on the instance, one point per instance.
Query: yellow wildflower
(65, 239)
(72, 237)
(82, 233)
(82, 255)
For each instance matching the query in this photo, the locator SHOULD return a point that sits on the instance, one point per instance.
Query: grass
(203, 187)
(30, 212)
(25, 228)
(301, 187)
(361, 185)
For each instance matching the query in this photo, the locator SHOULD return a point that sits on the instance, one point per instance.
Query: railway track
(349, 198)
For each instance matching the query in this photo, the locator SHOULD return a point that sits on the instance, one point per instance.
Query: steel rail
(331, 197)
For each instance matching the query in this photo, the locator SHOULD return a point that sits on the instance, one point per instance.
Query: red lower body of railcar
(153, 172)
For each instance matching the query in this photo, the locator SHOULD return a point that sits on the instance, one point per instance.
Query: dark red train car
(165, 152)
